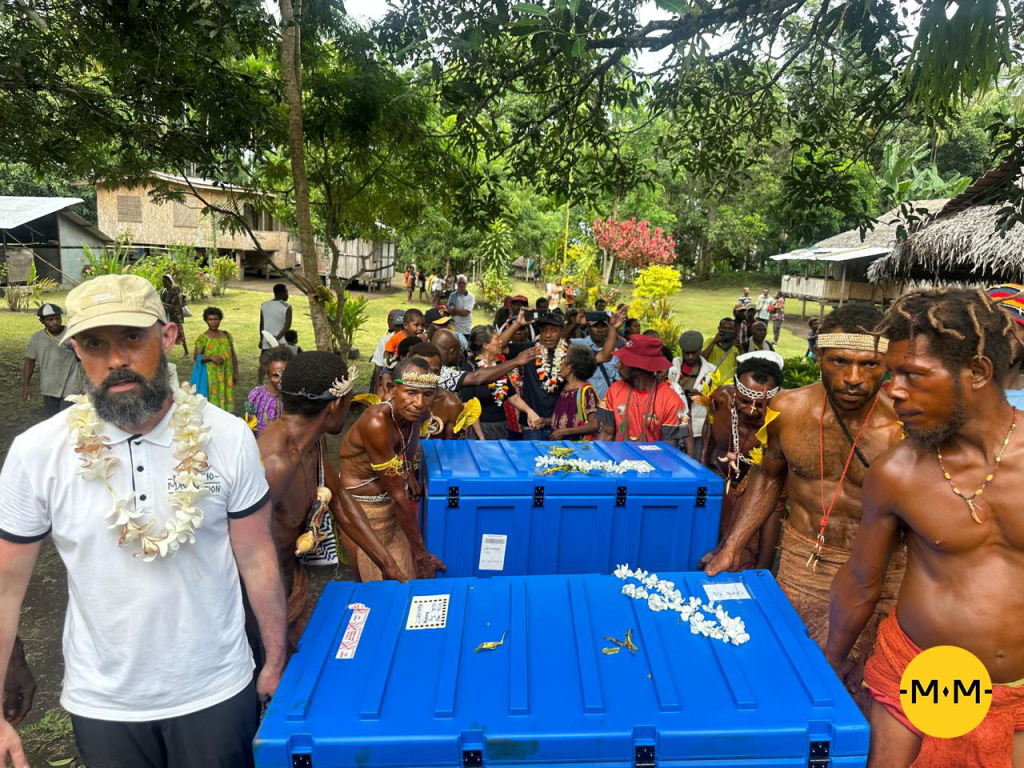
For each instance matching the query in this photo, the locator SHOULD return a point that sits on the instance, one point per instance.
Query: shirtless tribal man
(737, 414)
(854, 424)
(376, 468)
(954, 489)
(316, 394)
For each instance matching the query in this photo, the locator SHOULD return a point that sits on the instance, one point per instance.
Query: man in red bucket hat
(640, 407)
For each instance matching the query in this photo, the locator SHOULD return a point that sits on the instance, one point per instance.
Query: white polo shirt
(142, 641)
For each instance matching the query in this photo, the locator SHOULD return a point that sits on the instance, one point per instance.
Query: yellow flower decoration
(470, 413)
(757, 455)
(368, 398)
(762, 433)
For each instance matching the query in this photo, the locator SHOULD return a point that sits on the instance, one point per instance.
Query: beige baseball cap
(113, 300)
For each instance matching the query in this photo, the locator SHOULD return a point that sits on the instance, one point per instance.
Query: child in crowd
(291, 340)
(812, 337)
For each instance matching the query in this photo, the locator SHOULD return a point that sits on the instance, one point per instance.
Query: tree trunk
(291, 73)
(609, 268)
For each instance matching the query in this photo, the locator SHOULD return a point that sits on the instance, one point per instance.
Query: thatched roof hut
(884, 233)
(963, 242)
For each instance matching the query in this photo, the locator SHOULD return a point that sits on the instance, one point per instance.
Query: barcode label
(492, 552)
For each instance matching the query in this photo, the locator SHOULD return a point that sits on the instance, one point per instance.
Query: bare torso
(354, 460)
(962, 580)
(799, 443)
(293, 477)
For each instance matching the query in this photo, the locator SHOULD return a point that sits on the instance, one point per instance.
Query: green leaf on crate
(609, 651)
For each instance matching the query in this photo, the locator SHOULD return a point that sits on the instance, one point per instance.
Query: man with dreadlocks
(376, 468)
(304, 488)
(818, 449)
(954, 489)
(732, 446)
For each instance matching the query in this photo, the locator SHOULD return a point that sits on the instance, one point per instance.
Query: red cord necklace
(812, 561)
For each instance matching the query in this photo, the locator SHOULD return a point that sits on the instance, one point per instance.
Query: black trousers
(54, 405)
(217, 737)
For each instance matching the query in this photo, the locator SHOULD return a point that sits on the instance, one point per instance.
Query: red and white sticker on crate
(354, 631)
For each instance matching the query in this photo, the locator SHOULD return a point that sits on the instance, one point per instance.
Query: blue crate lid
(548, 695)
(506, 467)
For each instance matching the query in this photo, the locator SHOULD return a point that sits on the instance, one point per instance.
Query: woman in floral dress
(216, 350)
(575, 415)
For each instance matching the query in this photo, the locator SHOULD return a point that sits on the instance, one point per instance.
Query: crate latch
(472, 758)
(453, 497)
(304, 760)
(538, 495)
(644, 756)
(702, 497)
(819, 755)
(620, 496)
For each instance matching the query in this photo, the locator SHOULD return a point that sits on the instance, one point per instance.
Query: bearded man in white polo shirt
(156, 503)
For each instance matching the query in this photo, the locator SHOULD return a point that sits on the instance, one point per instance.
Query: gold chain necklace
(988, 478)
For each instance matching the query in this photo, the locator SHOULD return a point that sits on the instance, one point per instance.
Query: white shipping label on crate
(649, 447)
(353, 632)
(492, 552)
(428, 612)
(731, 591)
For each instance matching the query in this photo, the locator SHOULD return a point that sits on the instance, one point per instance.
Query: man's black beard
(129, 409)
(935, 436)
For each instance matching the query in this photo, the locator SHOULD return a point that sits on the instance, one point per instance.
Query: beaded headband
(418, 380)
(864, 342)
(337, 390)
(753, 394)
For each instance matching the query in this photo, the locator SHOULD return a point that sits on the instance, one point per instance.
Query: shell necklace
(988, 478)
(190, 435)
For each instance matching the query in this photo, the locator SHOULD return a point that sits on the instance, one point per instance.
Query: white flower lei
(586, 466)
(550, 380)
(190, 435)
(662, 595)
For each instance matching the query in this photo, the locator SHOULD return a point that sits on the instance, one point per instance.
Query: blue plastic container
(489, 512)
(548, 696)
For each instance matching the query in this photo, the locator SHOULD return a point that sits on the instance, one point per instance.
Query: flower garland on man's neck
(190, 435)
(547, 370)
(501, 387)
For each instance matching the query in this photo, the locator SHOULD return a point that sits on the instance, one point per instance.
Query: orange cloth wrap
(990, 745)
